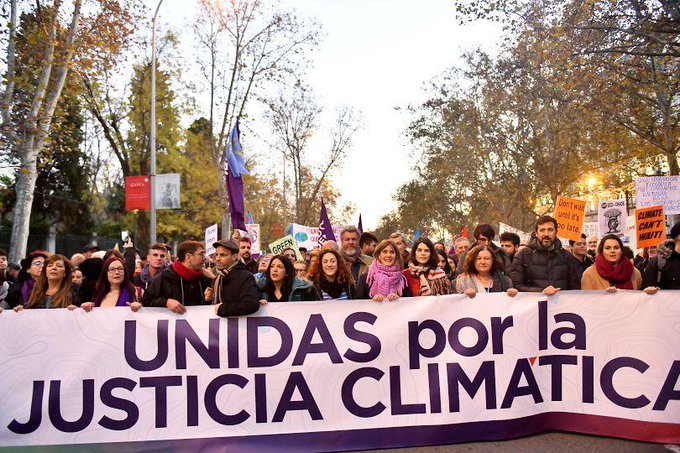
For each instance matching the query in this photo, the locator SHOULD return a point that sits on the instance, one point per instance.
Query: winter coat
(664, 273)
(536, 268)
(593, 281)
(169, 285)
(302, 290)
(239, 292)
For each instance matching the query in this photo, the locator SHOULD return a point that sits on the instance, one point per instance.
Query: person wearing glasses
(182, 284)
(114, 287)
(31, 267)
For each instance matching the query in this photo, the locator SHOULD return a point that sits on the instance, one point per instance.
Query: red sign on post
(137, 193)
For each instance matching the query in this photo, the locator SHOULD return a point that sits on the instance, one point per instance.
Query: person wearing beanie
(663, 271)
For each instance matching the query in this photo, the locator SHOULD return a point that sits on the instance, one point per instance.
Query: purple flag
(360, 225)
(236, 204)
(325, 227)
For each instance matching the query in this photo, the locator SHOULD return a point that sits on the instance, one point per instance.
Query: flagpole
(152, 135)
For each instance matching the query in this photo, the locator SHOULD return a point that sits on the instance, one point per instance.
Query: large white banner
(658, 190)
(345, 375)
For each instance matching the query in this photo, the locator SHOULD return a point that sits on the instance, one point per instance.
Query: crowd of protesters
(359, 266)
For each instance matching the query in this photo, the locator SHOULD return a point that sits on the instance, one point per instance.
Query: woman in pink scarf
(384, 280)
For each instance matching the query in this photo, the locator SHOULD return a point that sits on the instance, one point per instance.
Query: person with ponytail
(53, 288)
(423, 275)
(612, 271)
(384, 280)
(114, 287)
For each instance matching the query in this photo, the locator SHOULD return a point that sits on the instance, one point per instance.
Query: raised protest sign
(210, 239)
(658, 190)
(308, 237)
(254, 235)
(650, 226)
(523, 236)
(570, 214)
(344, 376)
(591, 229)
(612, 215)
(278, 246)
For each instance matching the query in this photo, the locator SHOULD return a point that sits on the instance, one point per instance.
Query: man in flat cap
(234, 290)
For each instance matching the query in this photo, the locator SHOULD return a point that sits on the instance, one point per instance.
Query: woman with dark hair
(423, 275)
(114, 287)
(54, 288)
(482, 272)
(31, 268)
(384, 280)
(331, 277)
(444, 264)
(279, 283)
(612, 270)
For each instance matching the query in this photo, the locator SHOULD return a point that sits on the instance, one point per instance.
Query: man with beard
(544, 266)
(358, 263)
(244, 254)
(234, 291)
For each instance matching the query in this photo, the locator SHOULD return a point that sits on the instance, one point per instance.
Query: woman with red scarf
(612, 271)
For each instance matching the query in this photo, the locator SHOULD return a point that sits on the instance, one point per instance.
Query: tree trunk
(26, 178)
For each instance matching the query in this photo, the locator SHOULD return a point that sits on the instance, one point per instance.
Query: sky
(376, 56)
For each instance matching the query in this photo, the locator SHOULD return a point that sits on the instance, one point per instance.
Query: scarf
(333, 289)
(438, 282)
(217, 285)
(421, 272)
(184, 272)
(351, 259)
(27, 289)
(384, 280)
(618, 274)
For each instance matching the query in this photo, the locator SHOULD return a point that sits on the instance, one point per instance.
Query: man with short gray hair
(349, 248)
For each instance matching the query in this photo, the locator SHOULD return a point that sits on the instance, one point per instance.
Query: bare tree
(295, 119)
(249, 47)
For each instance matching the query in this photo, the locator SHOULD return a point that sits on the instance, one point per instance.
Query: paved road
(547, 443)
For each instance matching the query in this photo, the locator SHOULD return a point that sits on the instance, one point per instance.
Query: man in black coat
(544, 266)
(183, 283)
(234, 291)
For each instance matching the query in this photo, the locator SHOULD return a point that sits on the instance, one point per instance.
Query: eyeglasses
(113, 270)
(38, 264)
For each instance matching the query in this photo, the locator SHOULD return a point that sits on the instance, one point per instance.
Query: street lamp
(152, 138)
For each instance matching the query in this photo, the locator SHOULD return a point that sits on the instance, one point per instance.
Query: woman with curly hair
(331, 277)
(53, 288)
(423, 275)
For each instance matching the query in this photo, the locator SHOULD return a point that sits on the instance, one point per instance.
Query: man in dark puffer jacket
(544, 266)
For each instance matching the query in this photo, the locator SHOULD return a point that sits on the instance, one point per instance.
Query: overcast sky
(376, 56)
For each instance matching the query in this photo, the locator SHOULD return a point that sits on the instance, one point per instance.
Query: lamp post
(152, 138)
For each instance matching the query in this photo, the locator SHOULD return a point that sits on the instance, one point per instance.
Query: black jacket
(169, 285)
(535, 268)
(662, 273)
(581, 266)
(239, 292)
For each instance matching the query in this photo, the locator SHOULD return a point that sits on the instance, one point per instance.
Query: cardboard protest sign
(285, 242)
(658, 190)
(591, 229)
(612, 215)
(210, 239)
(650, 226)
(254, 235)
(570, 214)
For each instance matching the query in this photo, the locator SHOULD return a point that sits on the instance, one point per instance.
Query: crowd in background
(359, 266)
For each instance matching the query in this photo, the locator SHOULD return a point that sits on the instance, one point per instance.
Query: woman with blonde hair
(384, 280)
